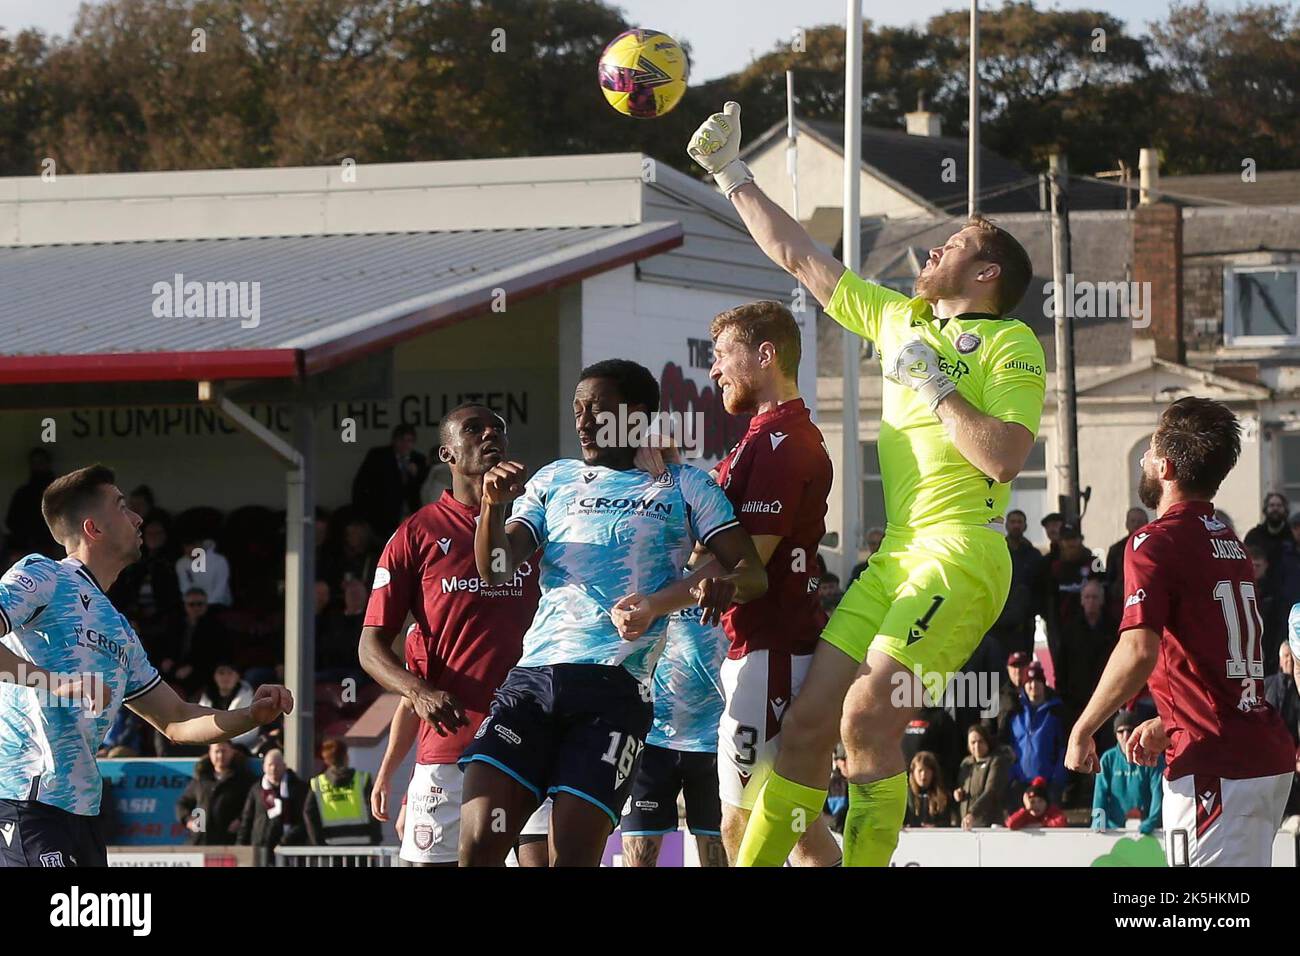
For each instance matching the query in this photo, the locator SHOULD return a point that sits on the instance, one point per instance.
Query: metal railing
(335, 856)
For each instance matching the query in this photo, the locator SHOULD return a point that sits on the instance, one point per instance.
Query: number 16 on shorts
(621, 755)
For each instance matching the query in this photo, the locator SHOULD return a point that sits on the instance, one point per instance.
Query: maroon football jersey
(777, 479)
(473, 632)
(1190, 580)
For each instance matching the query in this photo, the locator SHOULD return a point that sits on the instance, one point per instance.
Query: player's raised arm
(498, 550)
(716, 147)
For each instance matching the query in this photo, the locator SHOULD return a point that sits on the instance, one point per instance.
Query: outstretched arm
(716, 147)
(787, 243)
(182, 722)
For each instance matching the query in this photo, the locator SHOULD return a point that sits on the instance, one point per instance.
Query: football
(643, 73)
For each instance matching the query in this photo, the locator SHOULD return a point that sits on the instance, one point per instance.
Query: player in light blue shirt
(68, 662)
(570, 720)
(681, 753)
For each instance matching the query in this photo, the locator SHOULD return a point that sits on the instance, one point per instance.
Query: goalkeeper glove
(716, 147)
(916, 366)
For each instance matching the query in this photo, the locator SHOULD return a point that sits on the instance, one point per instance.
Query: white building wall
(654, 323)
(821, 182)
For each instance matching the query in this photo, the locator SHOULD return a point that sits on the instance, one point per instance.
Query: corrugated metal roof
(99, 298)
(314, 292)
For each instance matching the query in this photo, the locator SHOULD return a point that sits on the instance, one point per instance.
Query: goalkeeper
(960, 407)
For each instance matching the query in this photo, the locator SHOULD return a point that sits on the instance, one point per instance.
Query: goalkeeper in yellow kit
(961, 402)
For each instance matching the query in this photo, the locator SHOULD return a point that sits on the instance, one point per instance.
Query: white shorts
(432, 831)
(539, 824)
(1212, 821)
(758, 689)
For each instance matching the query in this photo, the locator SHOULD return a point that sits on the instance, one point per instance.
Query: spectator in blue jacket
(1124, 789)
(1038, 738)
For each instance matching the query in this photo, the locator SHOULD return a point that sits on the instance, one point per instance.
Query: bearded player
(1192, 632)
(961, 402)
(465, 638)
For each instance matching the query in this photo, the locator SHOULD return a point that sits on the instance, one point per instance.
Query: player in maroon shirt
(1192, 630)
(467, 636)
(777, 478)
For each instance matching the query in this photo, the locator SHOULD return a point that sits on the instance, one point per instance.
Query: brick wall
(1157, 259)
(1203, 305)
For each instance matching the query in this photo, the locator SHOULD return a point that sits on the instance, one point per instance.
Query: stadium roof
(86, 312)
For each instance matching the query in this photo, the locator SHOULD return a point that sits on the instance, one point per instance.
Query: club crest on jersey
(52, 859)
(967, 342)
(424, 836)
(444, 544)
(665, 480)
(1212, 523)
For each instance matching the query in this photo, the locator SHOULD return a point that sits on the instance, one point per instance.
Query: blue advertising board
(143, 792)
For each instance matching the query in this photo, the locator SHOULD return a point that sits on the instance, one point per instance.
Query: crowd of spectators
(207, 595)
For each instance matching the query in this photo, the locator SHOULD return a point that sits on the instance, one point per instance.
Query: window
(1029, 492)
(873, 491)
(1261, 305)
(1291, 467)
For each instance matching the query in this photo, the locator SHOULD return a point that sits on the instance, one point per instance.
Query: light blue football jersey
(688, 690)
(55, 616)
(1293, 631)
(606, 534)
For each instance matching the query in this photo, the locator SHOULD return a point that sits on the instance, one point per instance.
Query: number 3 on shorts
(745, 748)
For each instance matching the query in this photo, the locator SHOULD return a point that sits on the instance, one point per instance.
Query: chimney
(921, 122)
(1148, 175)
(1158, 270)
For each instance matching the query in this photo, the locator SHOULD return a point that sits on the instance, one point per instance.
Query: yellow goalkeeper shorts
(926, 599)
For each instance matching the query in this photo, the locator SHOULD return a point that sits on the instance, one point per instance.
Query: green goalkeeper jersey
(997, 365)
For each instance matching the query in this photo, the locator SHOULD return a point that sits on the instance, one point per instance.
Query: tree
(1230, 87)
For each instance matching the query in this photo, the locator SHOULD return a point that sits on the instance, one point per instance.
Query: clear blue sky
(724, 34)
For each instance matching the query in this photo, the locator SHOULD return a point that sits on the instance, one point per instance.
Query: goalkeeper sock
(875, 816)
(783, 812)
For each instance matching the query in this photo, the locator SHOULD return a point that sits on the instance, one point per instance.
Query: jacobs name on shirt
(1228, 550)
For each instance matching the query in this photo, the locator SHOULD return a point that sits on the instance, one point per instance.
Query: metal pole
(299, 604)
(850, 451)
(973, 122)
(1067, 428)
(792, 144)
